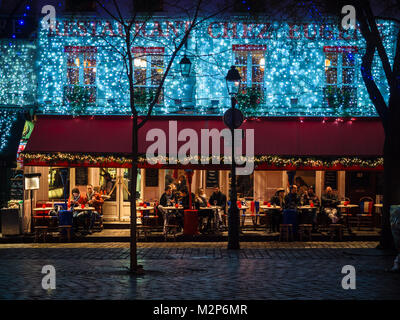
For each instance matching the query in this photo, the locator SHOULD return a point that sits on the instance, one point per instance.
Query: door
(116, 182)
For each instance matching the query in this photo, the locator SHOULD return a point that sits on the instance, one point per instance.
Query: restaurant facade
(302, 94)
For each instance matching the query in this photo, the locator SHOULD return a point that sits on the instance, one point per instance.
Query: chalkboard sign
(212, 178)
(17, 186)
(331, 179)
(151, 179)
(81, 176)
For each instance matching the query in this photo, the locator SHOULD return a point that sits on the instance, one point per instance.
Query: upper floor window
(250, 62)
(148, 5)
(340, 76)
(81, 70)
(148, 65)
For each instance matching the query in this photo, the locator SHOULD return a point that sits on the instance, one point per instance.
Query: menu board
(151, 179)
(331, 179)
(17, 186)
(81, 176)
(212, 178)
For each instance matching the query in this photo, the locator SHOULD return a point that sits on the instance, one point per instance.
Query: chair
(365, 217)
(305, 229)
(286, 231)
(41, 231)
(65, 229)
(336, 229)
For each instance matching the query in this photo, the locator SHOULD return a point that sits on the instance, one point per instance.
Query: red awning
(286, 136)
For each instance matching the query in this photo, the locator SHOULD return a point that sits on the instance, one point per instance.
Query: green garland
(274, 161)
(248, 100)
(78, 98)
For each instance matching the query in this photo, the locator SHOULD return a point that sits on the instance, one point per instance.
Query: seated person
(309, 196)
(200, 203)
(329, 203)
(292, 200)
(96, 201)
(76, 201)
(218, 199)
(185, 199)
(278, 200)
(166, 200)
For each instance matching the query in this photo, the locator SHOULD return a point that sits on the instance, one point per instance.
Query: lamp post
(185, 66)
(233, 80)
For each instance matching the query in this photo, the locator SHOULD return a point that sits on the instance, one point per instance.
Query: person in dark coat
(276, 214)
(292, 200)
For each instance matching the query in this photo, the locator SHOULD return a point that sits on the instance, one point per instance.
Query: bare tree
(389, 113)
(131, 36)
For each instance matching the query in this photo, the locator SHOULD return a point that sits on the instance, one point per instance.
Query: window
(80, 5)
(108, 179)
(148, 65)
(81, 72)
(250, 62)
(340, 76)
(55, 179)
(148, 5)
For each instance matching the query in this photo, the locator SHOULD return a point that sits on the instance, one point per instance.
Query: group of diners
(208, 210)
(81, 205)
(302, 201)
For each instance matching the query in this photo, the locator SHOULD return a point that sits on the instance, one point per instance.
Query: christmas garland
(271, 161)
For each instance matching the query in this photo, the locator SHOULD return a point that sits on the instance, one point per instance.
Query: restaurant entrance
(116, 183)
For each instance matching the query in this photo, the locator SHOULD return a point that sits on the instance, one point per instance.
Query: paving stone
(267, 270)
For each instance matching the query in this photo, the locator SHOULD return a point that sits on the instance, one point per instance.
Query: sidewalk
(185, 270)
(123, 235)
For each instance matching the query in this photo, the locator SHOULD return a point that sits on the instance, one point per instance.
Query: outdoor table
(347, 214)
(145, 217)
(84, 209)
(306, 207)
(43, 209)
(104, 196)
(265, 208)
(215, 216)
(167, 213)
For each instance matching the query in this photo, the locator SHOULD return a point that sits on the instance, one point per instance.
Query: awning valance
(106, 140)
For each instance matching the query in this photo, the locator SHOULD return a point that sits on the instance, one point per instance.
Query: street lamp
(233, 80)
(185, 65)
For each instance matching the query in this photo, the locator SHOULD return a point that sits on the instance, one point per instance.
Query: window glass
(108, 178)
(55, 180)
(81, 70)
(148, 72)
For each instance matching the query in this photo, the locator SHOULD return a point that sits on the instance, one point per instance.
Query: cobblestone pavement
(260, 270)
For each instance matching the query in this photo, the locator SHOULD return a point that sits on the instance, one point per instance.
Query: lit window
(81, 70)
(340, 77)
(250, 62)
(148, 65)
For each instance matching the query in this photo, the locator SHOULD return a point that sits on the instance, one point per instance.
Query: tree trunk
(391, 156)
(133, 247)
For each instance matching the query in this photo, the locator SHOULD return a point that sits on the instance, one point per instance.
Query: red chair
(365, 217)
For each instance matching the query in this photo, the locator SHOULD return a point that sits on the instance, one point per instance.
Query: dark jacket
(275, 200)
(164, 200)
(220, 198)
(292, 200)
(329, 200)
(200, 202)
(306, 198)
